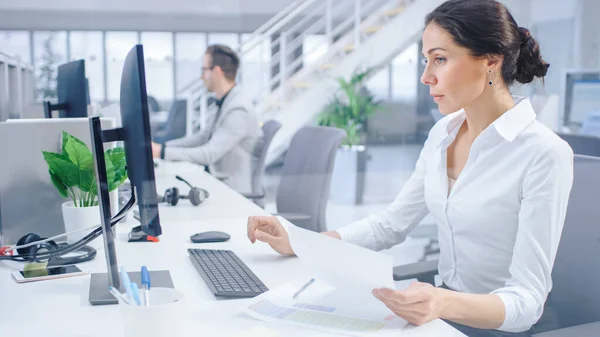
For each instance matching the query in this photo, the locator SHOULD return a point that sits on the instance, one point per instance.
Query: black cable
(77, 245)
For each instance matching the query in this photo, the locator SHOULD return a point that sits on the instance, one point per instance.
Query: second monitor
(73, 91)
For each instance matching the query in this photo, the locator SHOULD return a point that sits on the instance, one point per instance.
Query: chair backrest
(176, 122)
(153, 104)
(586, 145)
(269, 130)
(575, 295)
(306, 174)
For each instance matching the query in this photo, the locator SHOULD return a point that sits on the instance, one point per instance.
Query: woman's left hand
(418, 304)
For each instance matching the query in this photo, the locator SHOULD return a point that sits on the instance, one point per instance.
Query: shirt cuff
(355, 232)
(521, 310)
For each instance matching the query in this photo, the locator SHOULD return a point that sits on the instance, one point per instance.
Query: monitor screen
(138, 147)
(585, 99)
(72, 89)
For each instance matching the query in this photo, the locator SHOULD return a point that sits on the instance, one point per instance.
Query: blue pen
(126, 282)
(146, 285)
(136, 293)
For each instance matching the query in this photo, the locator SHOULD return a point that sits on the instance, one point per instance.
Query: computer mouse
(213, 236)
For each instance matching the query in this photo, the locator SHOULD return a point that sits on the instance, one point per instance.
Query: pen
(118, 295)
(146, 285)
(136, 293)
(297, 293)
(126, 282)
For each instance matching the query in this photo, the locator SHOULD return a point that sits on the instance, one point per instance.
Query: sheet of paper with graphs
(340, 300)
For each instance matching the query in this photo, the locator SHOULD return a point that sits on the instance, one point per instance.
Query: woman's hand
(268, 229)
(418, 304)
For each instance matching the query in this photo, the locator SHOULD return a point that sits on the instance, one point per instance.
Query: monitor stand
(100, 282)
(99, 294)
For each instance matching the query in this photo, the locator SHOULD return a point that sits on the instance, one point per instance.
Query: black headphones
(30, 253)
(196, 195)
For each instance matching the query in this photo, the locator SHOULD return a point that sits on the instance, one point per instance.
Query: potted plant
(350, 109)
(73, 174)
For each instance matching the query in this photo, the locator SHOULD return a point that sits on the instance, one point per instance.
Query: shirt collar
(219, 102)
(515, 120)
(508, 125)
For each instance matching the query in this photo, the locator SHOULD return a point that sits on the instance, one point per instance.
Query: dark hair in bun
(486, 27)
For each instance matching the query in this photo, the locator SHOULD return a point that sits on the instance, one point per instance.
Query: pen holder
(160, 319)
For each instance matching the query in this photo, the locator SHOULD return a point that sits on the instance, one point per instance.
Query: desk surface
(61, 308)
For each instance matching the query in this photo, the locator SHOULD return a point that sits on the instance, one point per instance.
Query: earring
(491, 82)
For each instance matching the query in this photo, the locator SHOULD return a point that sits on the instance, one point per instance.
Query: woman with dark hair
(496, 181)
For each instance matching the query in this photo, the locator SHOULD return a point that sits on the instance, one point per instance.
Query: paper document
(256, 332)
(332, 311)
(342, 264)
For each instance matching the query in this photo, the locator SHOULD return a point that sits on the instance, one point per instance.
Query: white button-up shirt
(500, 225)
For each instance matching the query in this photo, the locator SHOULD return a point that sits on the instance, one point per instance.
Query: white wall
(550, 10)
(587, 39)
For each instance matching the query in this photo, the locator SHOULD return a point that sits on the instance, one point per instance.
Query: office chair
(306, 176)
(269, 130)
(587, 145)
(576, 272)
(175, 125)
(153, 104)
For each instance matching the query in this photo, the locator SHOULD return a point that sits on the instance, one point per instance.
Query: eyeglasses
(204, 69)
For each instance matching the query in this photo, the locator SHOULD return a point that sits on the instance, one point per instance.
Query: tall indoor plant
(73, 174)
(350, 109)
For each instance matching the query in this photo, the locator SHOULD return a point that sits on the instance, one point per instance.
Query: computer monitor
(580, 95)
(73, 92)
(135, 134)
(135, 122)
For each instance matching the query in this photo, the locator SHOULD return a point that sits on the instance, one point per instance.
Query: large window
(118, 45)
(255, 67)
(231, 40)
(189, 49)
(88, 46)
(16, 43)
(379, 84)
(405, 77)
(158, 57)
(50, 50)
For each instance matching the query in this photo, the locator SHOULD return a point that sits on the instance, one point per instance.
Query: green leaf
(110, 170)
(78, 153)
(117, 158)
(62, 189)
(88, 181)
(65, 137)
(64, 170)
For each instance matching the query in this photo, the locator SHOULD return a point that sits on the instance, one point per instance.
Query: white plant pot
(347, 180)
(76, 218)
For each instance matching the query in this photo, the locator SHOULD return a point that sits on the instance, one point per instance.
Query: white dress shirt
(500, 224)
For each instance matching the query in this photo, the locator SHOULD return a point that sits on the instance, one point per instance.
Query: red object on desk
(6, 251)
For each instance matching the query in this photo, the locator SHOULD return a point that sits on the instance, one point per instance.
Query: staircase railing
(342, 24)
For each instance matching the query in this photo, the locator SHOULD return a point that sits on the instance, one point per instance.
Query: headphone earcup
(35, 249)
(196, 196)
(28, 238)
(171, 196)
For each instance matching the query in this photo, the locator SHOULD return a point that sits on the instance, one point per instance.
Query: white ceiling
(220, 7)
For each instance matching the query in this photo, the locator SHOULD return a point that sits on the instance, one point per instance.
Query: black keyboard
(225, 274)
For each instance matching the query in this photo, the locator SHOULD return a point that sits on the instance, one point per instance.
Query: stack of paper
(340, 301)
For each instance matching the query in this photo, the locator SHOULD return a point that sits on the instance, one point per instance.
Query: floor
(388, 169)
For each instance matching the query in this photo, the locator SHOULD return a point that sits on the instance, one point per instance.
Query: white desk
(60, 307)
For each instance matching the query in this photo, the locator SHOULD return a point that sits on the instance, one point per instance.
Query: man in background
(225, 145)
